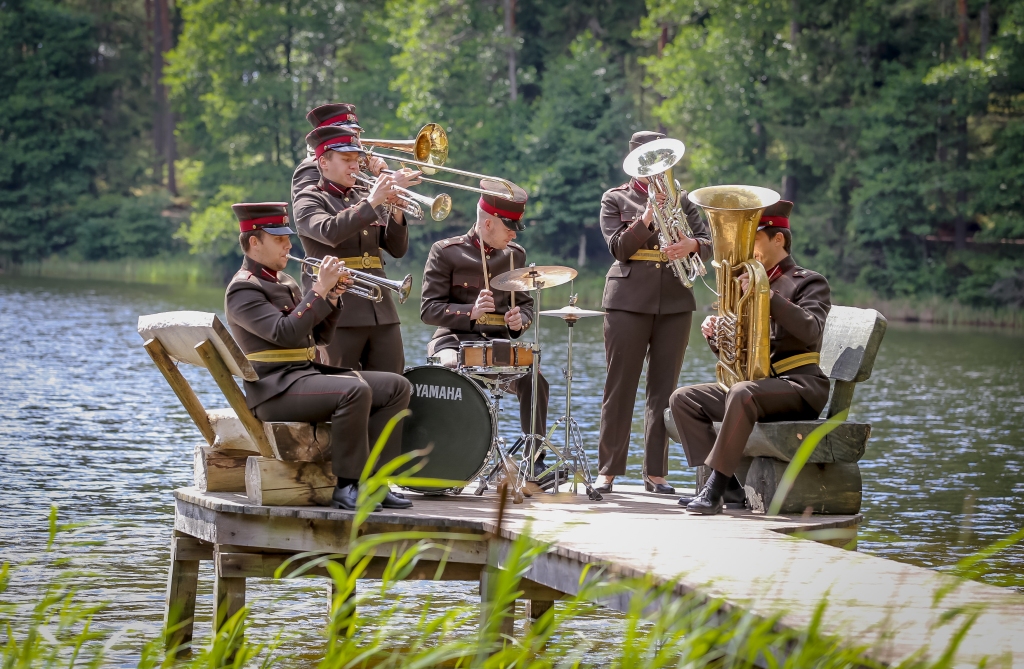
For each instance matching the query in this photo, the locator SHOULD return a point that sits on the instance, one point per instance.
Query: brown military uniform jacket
(643, 286)
(266, 310)
(348, 227)
(800, 302)
(452, 280)
(306, 174)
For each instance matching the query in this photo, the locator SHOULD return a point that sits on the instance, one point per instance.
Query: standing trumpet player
(649, 312)
(335, 216)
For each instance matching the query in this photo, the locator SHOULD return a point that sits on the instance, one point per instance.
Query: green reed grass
(662, 628)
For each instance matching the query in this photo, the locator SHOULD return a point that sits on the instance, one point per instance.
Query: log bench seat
(830, 482)
(275, 464)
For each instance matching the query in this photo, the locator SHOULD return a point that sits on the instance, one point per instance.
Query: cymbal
(571, 313)
(527, 278)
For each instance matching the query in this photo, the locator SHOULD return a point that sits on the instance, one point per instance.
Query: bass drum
(454, 415)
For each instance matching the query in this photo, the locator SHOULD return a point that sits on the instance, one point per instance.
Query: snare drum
(452, 413)
(495, 356)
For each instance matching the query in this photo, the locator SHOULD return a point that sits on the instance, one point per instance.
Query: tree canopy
(896, 128)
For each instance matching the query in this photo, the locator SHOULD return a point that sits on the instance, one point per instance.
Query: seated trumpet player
(457, 299)
(797, 388)
(337, 216)
(278, 325)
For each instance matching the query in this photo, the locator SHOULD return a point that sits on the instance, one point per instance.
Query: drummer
(458, 300)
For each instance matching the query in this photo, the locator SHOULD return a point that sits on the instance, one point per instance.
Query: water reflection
(90, 425)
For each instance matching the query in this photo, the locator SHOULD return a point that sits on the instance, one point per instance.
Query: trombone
(430, 146)
(440, 206)
(429, 168)
(365, 285)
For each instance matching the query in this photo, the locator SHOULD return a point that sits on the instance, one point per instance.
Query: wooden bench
(276, 464)
(830, 482)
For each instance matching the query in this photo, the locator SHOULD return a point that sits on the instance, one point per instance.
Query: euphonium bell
(742, 334)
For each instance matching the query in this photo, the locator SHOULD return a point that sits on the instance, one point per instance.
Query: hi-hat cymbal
(571, 313)
(532, 277)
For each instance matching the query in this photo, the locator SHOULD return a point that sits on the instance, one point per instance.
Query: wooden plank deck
(750, 561)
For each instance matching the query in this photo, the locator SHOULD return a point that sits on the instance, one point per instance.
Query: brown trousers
(629, 339)
(695, 408)
(358, 406)
(373, 348)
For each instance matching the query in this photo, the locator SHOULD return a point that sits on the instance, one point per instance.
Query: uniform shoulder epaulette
(801, 272)
(445, 243)
(517, 247)
(245, 275)
(622, 187)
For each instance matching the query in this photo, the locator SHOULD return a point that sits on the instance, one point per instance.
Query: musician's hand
(484, 305)
(744, 282)
(648, 214)
(331, 271)
(339, 289)
(514, 319)
(382, 191)
(407, 177)
(681, 249)
(709, 326)
(376, 165)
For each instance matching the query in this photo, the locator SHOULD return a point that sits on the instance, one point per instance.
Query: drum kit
(455, 411)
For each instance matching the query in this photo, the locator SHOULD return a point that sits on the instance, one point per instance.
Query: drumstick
(483, 260)
(512, 266)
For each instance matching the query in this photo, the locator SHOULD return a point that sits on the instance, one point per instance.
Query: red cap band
(503, 213)
(339, 119)
(335, 142)
(253, 223)
(774, 221)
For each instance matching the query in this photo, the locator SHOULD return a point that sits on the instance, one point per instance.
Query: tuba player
(797, 388)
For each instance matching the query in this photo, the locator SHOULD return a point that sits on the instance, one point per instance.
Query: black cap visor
(276, 229)
(518, 226)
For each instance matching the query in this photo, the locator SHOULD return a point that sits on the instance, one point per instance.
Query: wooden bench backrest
(181, 331)
(850, 343)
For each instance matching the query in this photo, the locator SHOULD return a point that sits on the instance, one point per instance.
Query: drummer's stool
(830, 482)
(274, 464)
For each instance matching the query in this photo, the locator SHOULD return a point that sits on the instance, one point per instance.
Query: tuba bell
(742, 334)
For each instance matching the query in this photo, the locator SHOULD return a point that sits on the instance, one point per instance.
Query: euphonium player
(649, 313)
(335, 216)
(277, 326)
(797, 389)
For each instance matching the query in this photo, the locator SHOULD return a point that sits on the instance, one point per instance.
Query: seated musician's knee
(743, 391)
(684, 399)
(360, 395)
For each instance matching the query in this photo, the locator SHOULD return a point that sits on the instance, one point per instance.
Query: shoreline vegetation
(191, 271)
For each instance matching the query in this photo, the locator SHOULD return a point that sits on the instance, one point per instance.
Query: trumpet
(440, 206)
(430, 146)
(365, 285)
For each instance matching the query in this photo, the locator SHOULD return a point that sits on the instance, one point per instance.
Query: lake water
(87, 423)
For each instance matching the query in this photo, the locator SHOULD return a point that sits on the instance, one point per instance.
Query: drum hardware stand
(503, 461)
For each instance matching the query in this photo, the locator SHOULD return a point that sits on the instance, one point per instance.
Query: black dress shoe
(346, 497)
(706, 503)
(735, 496)
(659, 488)
(604, 488)
(393, 501)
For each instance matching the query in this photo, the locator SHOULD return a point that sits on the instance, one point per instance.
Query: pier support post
(535, 608)
(491, 612)
(182, 582)
(228, 593)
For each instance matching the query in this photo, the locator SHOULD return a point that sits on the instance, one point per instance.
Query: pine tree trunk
(985, 21)
(510, 26)
(170, 145)
(960, 222)
(581, 257)
(154, 16)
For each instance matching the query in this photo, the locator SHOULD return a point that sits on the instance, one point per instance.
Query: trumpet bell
(653, 157)
(441, 207)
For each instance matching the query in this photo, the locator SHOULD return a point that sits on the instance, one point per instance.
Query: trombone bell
(430, 146)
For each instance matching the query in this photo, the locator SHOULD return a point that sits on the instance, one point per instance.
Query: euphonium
(364, 284)
(742, 333)
(654, 160)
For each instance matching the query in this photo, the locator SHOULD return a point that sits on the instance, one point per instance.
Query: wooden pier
(753, 562)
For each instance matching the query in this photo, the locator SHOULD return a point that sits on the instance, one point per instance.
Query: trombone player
(337, 217)
(649, 312)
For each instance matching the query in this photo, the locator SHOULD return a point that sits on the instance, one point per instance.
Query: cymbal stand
(574, 456)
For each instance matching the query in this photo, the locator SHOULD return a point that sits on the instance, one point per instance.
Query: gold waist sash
(491, 319)
(363, 262)
(795, 361)
(650, 255)
(283, 355)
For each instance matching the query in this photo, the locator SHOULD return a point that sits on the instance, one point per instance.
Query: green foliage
(890, 135)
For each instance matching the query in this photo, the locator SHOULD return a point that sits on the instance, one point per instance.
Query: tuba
(742, 334)
(654, 160)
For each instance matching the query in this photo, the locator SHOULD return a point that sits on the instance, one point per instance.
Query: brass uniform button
(366, 232)
(465, 285)
(657, 265)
